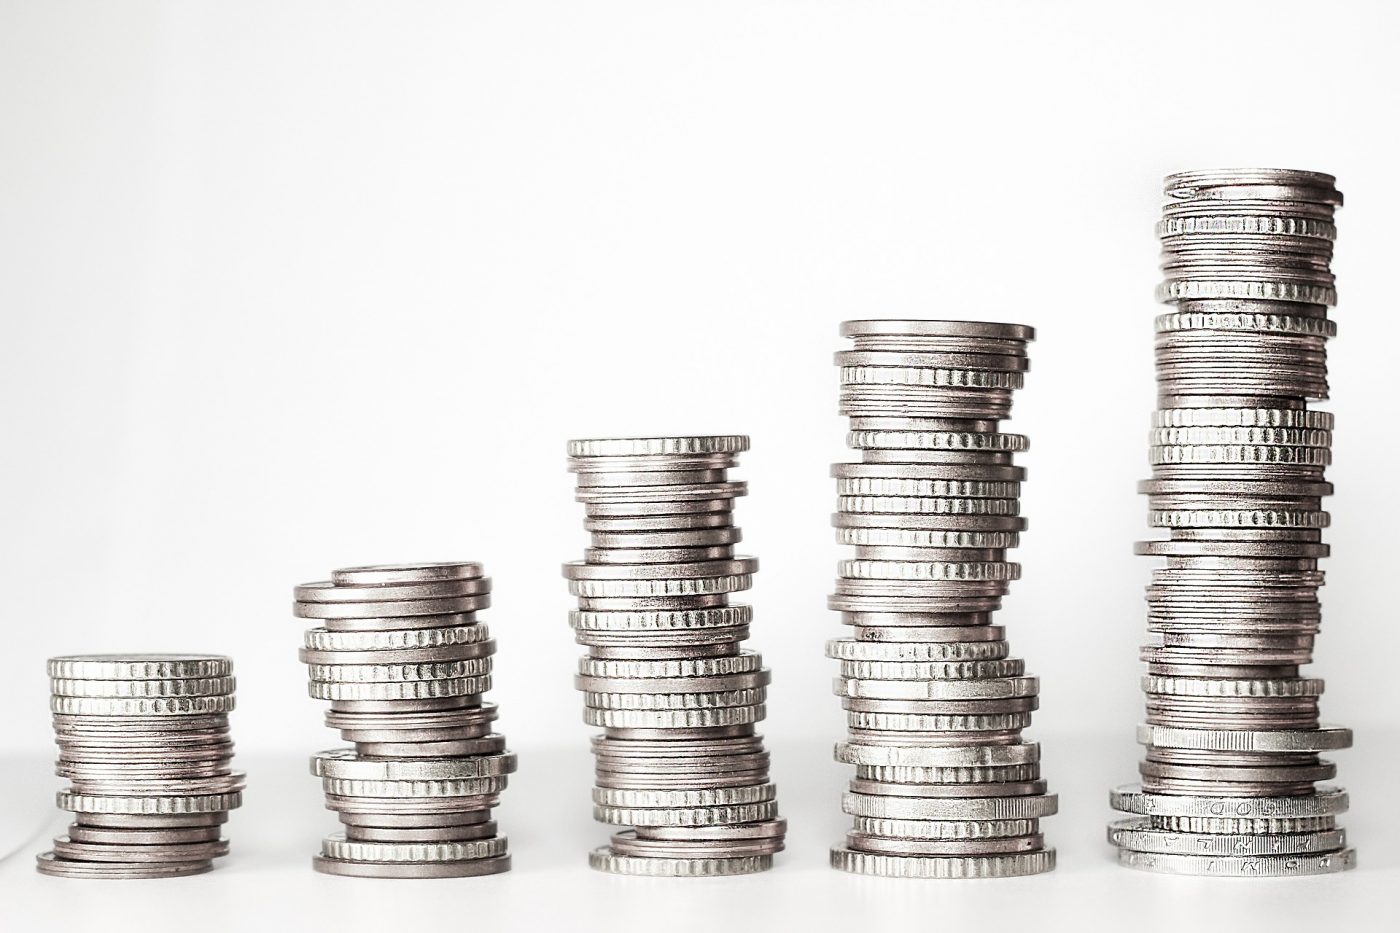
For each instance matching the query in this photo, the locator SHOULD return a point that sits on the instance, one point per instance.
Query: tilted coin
(345, 763)
(393, 574)
(50, 864)
(603, 859)
(164, 853)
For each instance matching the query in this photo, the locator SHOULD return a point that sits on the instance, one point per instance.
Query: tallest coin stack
(1232, 731)
(945, 787)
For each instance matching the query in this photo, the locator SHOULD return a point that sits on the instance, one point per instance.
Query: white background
(291, 285)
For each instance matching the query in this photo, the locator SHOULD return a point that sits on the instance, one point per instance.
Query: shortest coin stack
(404, 664)
(144, 742)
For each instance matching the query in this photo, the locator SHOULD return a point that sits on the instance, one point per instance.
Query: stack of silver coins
(404, 663)
(945, 786)
(1232, 732)
(144, 741)
(679, 761)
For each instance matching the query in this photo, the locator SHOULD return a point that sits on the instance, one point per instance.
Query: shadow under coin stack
(665, 678)
(404, 664)
(1232, 729)
(945, 786)
(144, 741)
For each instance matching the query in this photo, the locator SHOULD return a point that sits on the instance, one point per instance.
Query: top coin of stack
(945, 787)
(665, 676)
(144, 741)
(1232, 731)
(404, 663)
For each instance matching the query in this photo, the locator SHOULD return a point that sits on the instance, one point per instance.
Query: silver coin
(1139, 836)
(349, 765)
(1326, 801)
(450, 821)
(1000, 845)
(763, 829)
(950, 808)
(394, 574)
(138, 666)
(1244, 866)
(605, 860)
(450, 833)
(154, 821)
(50, 864)
(330, 592)
(628, 844)
(953, 866)
(173, 835)
(169, 852)
(368, 610)
(686, 816)
(337, 847)
(463, 869)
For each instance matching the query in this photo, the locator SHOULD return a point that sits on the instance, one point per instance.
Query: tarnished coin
(50, 864)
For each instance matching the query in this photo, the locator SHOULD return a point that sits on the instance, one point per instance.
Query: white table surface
(267, 881)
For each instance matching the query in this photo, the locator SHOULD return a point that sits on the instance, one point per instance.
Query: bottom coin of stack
(404, 664)
(945, 784)
(144, 742)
